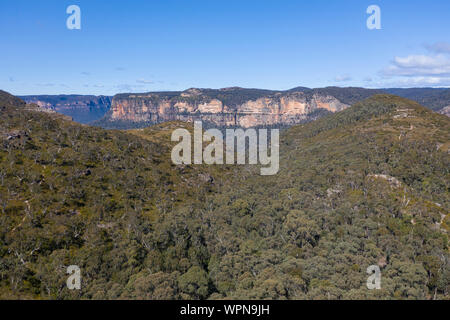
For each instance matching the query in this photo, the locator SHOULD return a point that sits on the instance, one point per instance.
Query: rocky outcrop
(227, 107)
(224, 107)
(37, 108)
(445, 111)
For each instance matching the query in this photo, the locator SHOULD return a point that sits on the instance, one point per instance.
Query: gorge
(227, 107)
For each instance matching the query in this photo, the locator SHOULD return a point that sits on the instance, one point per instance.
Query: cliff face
(83, 109)
(227, 107)
(224, 107)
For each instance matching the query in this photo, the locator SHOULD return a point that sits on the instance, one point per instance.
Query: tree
(194, 283)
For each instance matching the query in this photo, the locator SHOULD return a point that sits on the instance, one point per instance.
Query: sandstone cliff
(224, 107)
(230, 106)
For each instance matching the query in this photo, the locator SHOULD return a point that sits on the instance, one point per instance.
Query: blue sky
(140, 46)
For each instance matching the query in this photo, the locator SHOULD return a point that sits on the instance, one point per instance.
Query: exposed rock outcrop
(445, 111)
(230, 106)
(224, 107)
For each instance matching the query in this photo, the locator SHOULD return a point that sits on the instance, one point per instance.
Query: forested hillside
(368, 185)
(434, 98)
(365, 186)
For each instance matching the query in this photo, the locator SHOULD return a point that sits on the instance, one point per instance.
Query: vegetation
(82, 108)
(365, 186)
(233, 98)
(433, 98)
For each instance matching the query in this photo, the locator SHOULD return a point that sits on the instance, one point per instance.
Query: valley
(228, 107)
(364, 186)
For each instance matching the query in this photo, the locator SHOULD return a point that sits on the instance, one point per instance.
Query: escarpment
(228, 107)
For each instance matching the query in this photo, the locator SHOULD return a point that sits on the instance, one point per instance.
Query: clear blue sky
(139, 46)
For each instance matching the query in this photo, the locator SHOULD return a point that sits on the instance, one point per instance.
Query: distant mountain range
(225, 107)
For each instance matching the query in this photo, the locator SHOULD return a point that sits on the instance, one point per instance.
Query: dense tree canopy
(366, 186)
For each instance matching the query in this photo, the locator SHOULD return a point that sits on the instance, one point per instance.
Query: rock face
(230, 106)
(445, 111)
(81, 108)
(224, 107)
